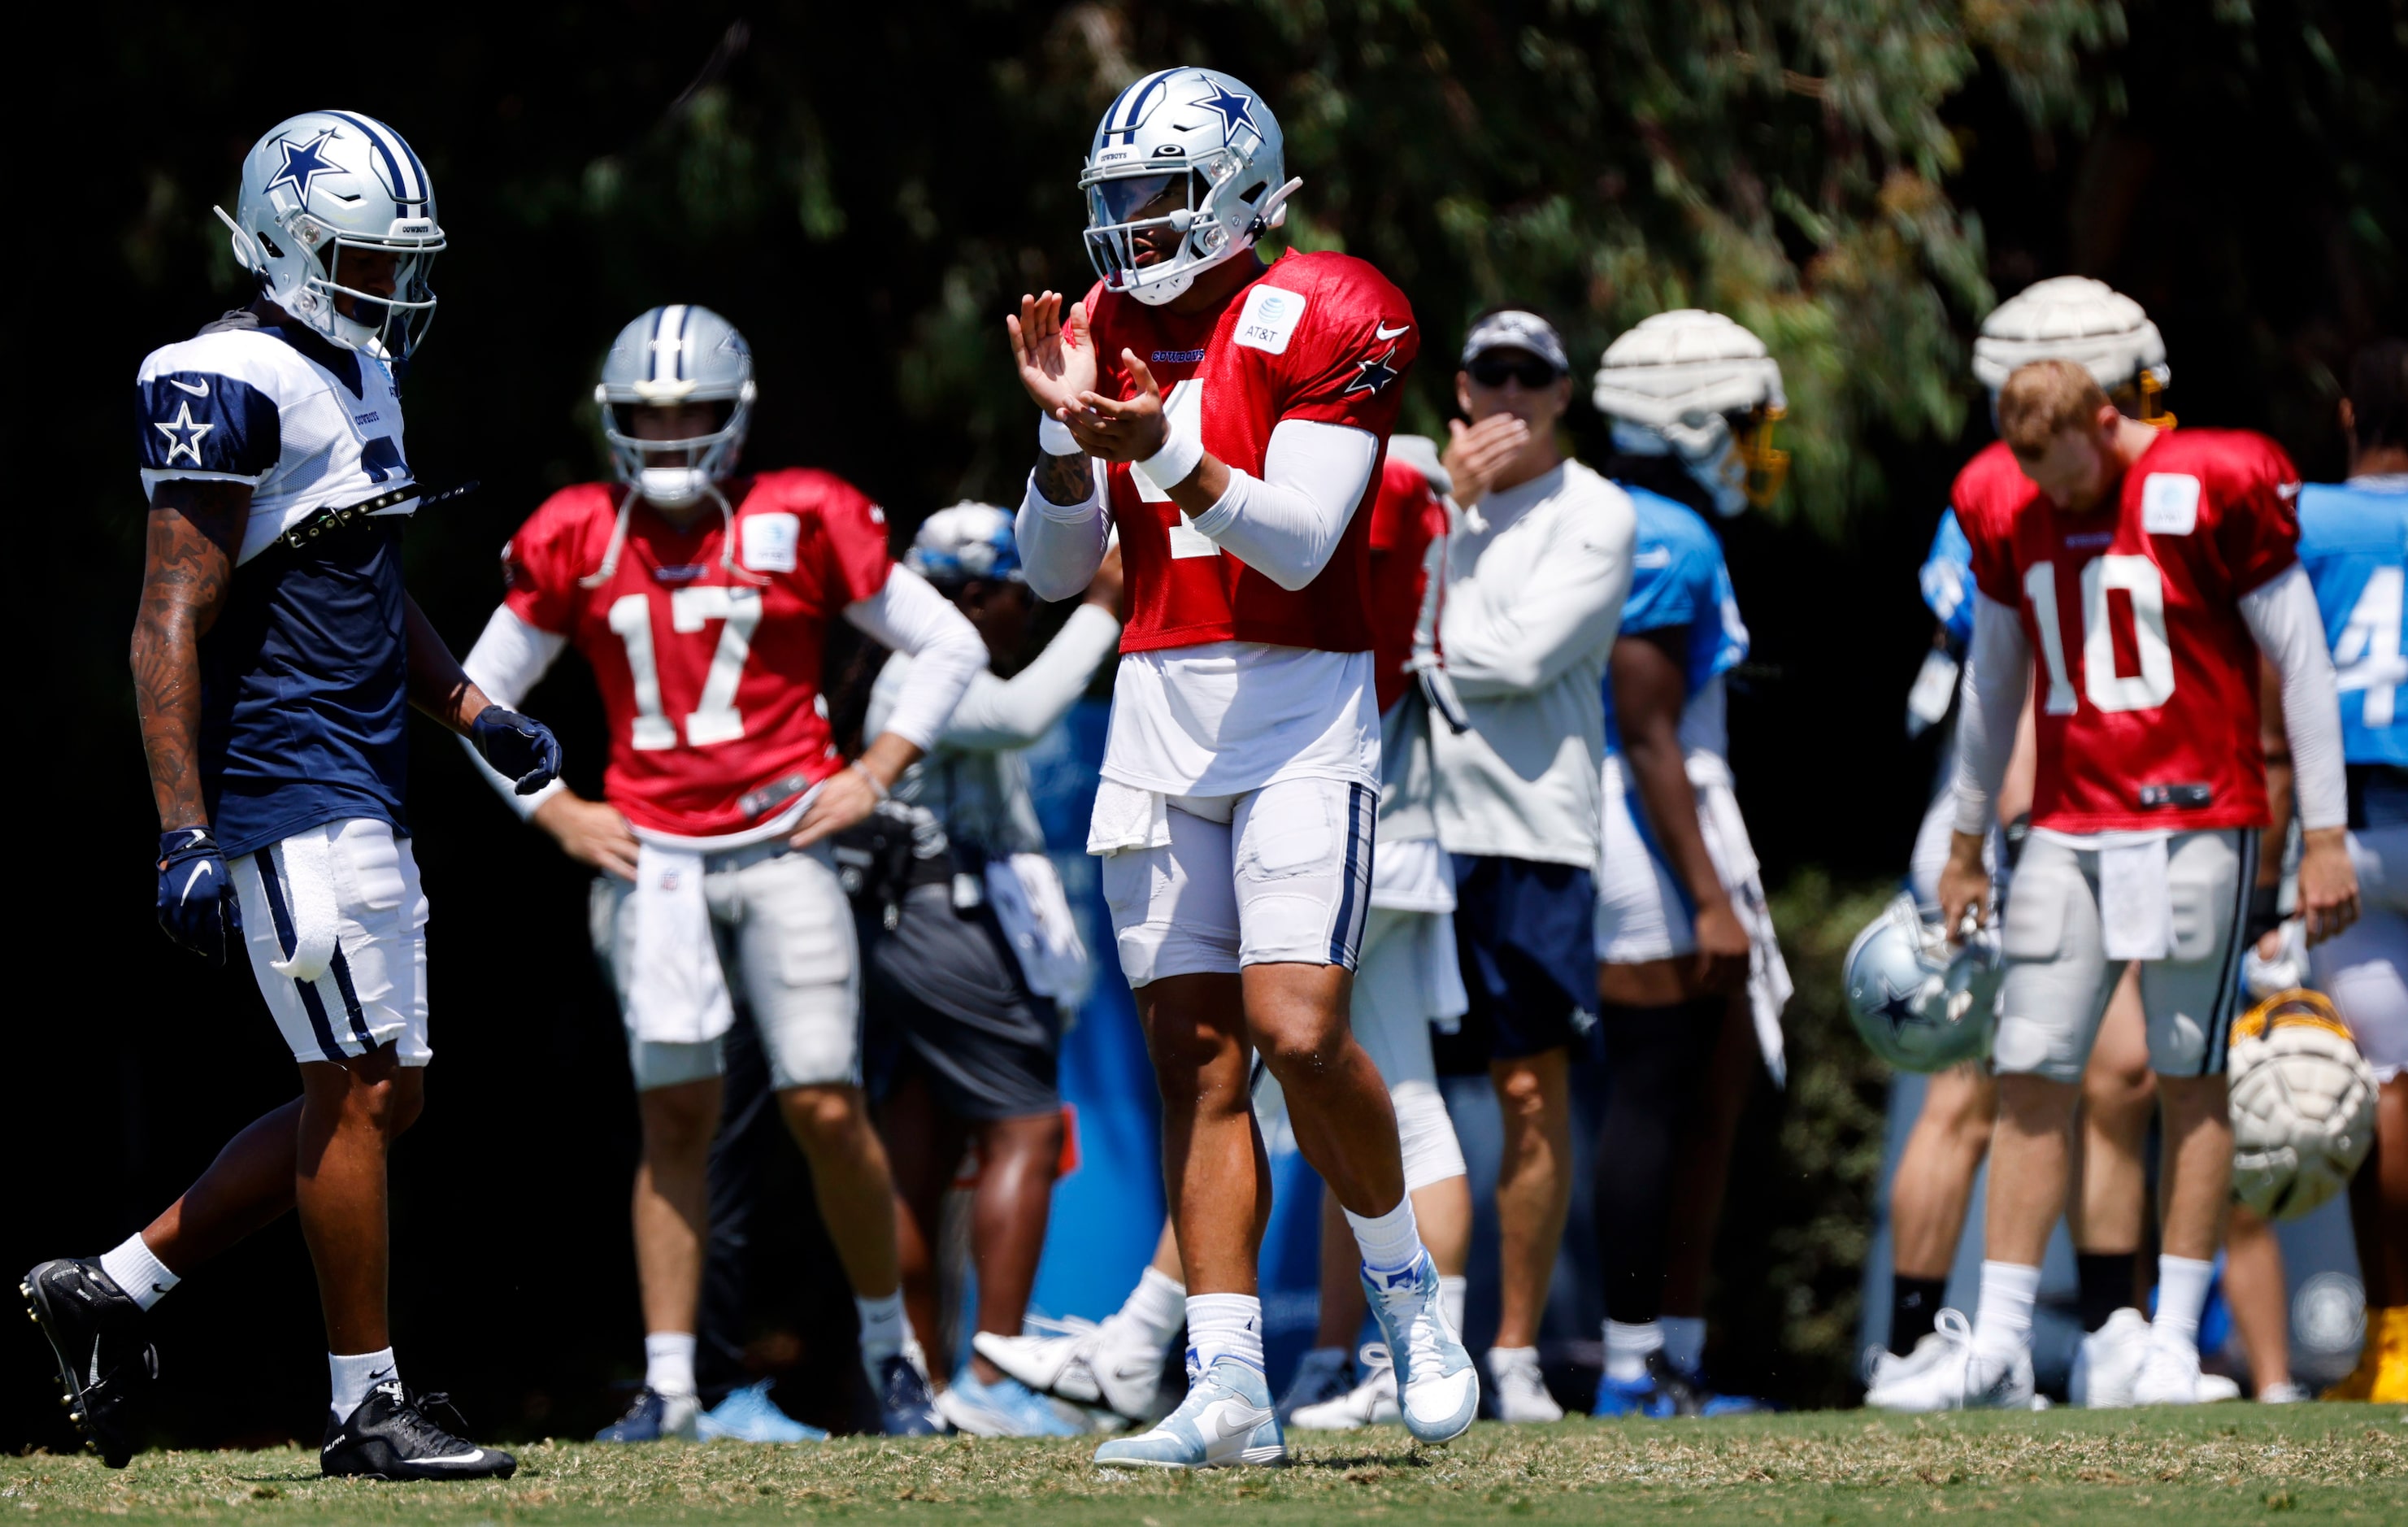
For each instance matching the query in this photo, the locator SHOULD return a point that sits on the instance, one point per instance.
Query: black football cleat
(390, 1436)
(905, 1406)
(105, 1367)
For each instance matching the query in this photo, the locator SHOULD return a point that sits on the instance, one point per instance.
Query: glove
(518, 747)
(2286, 972)
(197, 905)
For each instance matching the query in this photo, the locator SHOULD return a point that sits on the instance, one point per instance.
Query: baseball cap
(1515, 329)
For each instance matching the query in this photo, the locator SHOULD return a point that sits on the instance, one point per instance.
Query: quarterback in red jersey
(2148, 570)
(703, 602)
(1229, 418)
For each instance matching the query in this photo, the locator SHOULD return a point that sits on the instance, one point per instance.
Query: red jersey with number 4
(1405, 519)
(2145, 675)
(1320, 337)
(710, 676)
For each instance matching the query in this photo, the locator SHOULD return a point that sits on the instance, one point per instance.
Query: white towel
(1126, 817)
(2136, 912)
(1033, 911)
(305, 863)
(1769, 986)
(677, 994)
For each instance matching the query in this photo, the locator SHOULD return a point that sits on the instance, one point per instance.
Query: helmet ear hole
(1254, 192)
(269, 244)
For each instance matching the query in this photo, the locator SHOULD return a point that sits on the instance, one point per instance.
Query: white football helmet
(1196, 128)
(2073, 318)
(2302, 1102)
(1698, 386)
(1922, 1003)
(325, 183)
(673, 355)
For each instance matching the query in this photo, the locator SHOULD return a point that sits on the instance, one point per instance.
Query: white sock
(353, 1376)
(2002, 1320)
(1391, 1241)
(143, 1276)
(1684, 1341)
(882, 1326)
(1225, 1326)
(1453, 1288)
(1626, 1348)
(2182, 1294)
(1156, 1307)
(668, 1362)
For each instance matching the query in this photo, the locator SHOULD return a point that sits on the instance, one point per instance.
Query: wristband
(1176, 461)
(1053, 437)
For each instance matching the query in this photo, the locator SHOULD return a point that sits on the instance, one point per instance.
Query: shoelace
(1421, 1337)
(421, 1430)
(1953, 1325)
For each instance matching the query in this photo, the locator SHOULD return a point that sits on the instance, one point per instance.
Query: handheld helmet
(673, 355)
(2088, 321)
(1197, 129)
(326, 184)
(1698, 386)
(969, 540)
(1921, 1004)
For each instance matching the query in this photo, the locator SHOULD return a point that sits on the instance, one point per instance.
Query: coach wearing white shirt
(1516, 633)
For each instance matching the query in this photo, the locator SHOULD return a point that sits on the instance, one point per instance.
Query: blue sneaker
(749, 1414)
(1437, 1388)
(1004, 1409)
(1663, 1394)
(655, 1417)
(905, 1408)
(1227, 1419)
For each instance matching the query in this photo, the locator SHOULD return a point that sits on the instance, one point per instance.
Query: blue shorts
(1525, 936)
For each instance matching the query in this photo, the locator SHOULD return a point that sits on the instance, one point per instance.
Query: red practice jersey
(2145, 677)
(1405, 519)
(710, 678)
(1320, 337)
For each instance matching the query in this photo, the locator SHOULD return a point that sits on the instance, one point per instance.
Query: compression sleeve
(1061, 545)
(1996, 669)
(910, 616)
(2282, 615)
(998, 715)
(506, 662)
(1286, 523)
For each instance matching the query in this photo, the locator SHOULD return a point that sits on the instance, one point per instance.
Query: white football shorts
(1642, 909)
(2058, 977)
(1406, 979)
(1276, 875)
(2365, 969)
(335, 923)
(785, 940)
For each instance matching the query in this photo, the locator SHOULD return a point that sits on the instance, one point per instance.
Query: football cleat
(905, 1406)
(1004, 1409)
(105, 1369)
(1111, 1365)
(655, 1416)
(1663, 1394)
(1438, 1387)
(2382, 1371)
(1371, 1403)
(2168, 1374)
(2108, 1360)
(390, 1436)
(1225, 1420)
(1323, 1376)
(749, 1414)
(1517, 1387)
(1943, 1373)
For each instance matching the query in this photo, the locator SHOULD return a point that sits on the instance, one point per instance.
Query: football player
(1228, 417)
(702, 598)
(2147, 569)
(1685, 941)
(276, 656)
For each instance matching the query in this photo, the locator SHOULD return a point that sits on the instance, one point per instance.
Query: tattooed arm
(437, 687)
(195, 528)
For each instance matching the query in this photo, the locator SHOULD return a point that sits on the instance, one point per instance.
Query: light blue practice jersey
(2354, 542)
(1947, 580)
(1677, 578)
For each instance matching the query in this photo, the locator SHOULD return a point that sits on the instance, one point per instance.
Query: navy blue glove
(519, 747)
(197, 905)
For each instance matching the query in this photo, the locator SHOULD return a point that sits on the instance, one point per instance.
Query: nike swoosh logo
(203, 390)
(1247, 1420)
(1381, 331)
(469, 1457)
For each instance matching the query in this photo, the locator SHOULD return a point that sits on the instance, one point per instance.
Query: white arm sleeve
(2282, 615)
(1061, 545)
(506, 662)
(911, 617)
(1285, 524)
(1996, 668)
(996, 715)
(1517, 641)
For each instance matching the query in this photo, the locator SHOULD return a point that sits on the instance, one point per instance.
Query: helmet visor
(1140, 220)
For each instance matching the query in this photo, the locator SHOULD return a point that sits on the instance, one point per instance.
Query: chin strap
(610, 567)
(1273, 211)
(728, 540)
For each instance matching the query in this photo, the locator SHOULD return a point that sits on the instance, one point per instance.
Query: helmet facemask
(1218, 219)
(674, 473)
(1765, 466)
(392, 324)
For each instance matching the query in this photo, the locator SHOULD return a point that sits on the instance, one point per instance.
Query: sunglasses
(1495, 371)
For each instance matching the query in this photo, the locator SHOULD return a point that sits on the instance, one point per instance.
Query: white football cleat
(2168, 1374)
(1325, 1375)
(2108, 1362)
(1371, 1403)
(2285, 1393)
(1943, 1373)
(1517, 1387)
(1438, 1384)
(1111, 1365)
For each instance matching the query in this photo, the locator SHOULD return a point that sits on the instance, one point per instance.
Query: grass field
(2221, 1464)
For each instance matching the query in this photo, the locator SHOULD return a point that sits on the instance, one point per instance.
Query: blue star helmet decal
(1898, 1007)
(1234, 109)
(303, 163)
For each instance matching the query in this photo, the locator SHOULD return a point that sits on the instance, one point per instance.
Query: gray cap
(1513, 329)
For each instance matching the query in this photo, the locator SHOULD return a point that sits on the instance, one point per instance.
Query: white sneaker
(1371, 1403)
(1110, 1364)
(2170, 1375)
(1325, 1375)
(2214, 1389)
(2286, 1393)
(1995, 1384)
(1518, 1388)
(1944, 1373)
(1438, 1384)
(2109, 1360)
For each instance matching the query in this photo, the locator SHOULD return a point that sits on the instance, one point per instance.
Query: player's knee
(679, 1121)
(2036, 1104)
(1302, 1047)
(823, 1119)
(1523, 1092)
